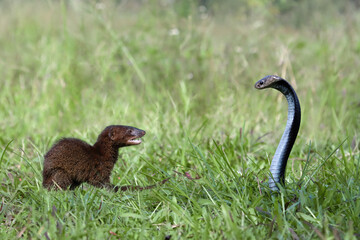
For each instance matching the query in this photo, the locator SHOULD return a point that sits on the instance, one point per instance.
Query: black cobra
(278, 164)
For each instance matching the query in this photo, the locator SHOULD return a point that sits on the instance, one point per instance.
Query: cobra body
(278, 164)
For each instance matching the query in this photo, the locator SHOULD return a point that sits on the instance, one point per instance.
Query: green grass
(69, 69)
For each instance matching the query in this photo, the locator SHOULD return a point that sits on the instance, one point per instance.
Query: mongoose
(71, 161)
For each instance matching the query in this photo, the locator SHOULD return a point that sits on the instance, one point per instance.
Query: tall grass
(186, 76)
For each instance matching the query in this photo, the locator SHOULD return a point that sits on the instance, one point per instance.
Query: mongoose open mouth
(135, 136)
(134, 141)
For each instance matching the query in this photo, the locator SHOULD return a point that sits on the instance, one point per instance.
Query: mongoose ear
(112, 135)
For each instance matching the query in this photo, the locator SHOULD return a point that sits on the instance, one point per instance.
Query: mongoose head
(122, 136)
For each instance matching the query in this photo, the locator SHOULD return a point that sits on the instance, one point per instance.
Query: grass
(186, 77)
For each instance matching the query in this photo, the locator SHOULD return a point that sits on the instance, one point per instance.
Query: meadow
(186, 75)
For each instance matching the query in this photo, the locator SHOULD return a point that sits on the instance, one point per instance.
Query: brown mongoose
(71, 161)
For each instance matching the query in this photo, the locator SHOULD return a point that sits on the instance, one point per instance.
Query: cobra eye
(261, 82)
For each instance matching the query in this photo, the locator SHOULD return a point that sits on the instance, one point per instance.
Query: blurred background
(177, 68)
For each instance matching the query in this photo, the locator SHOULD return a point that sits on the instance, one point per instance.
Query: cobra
(279, 161)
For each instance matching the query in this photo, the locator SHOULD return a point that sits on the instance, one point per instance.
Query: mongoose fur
(71, 161)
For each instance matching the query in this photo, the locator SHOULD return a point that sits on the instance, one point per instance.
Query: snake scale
(279, 161)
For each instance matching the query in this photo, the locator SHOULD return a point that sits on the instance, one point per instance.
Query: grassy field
(185, 75)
